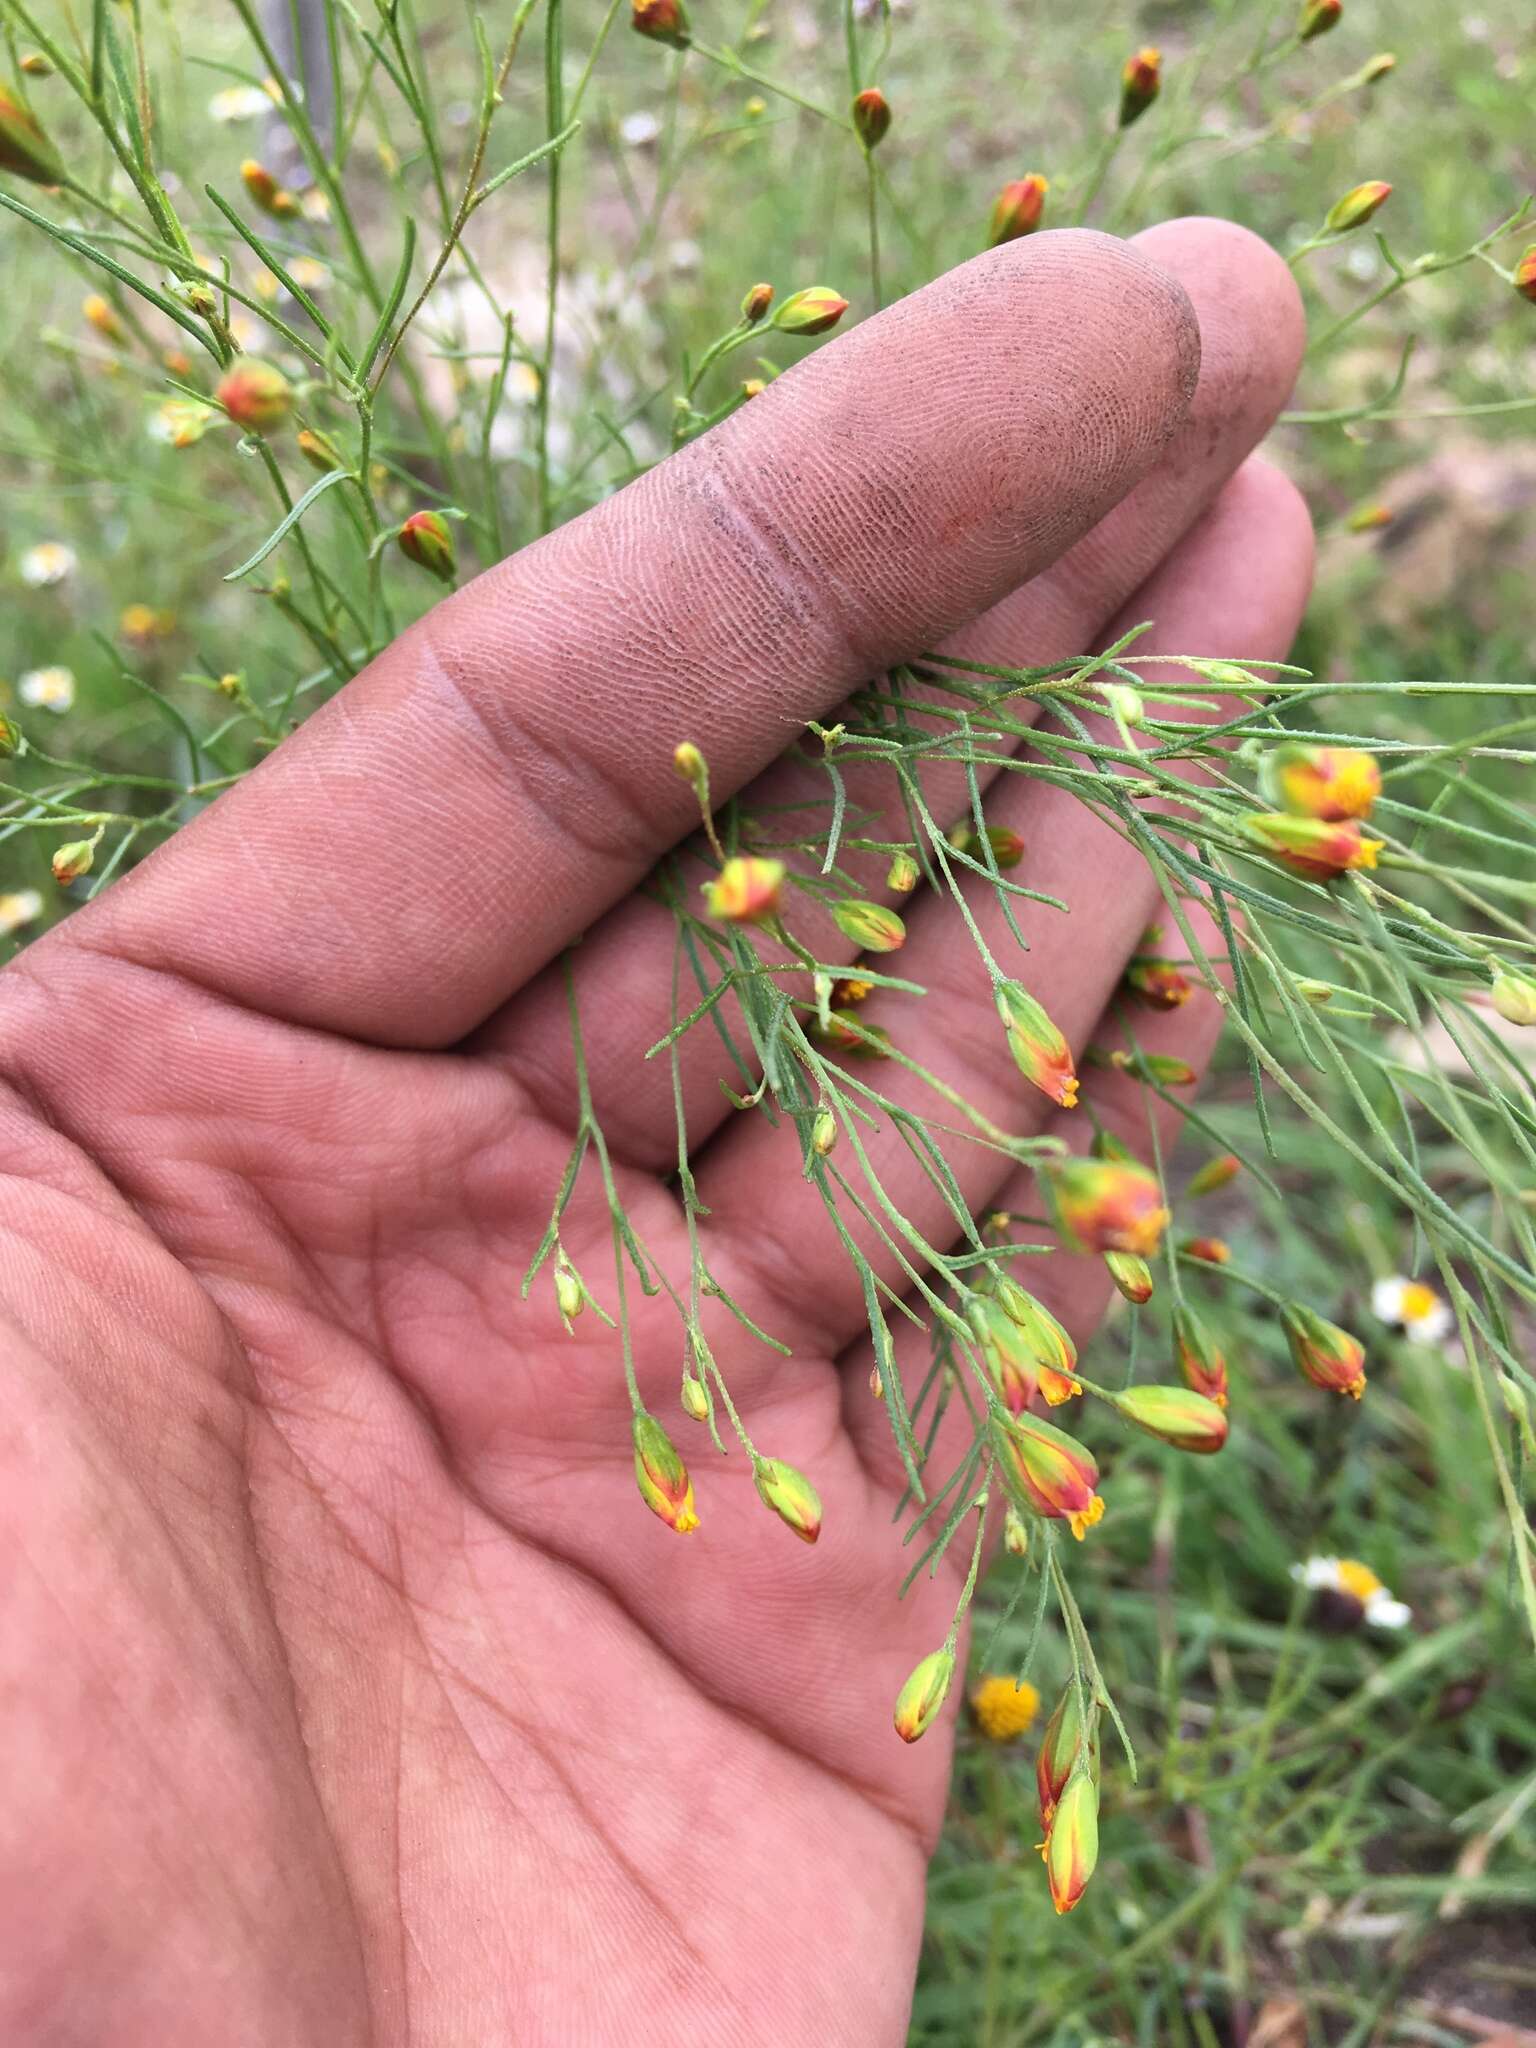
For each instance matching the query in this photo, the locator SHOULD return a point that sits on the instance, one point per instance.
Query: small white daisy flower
(47, 689)
(1413, 1308)
(1347, 1575)
(49, 562)
(239, 103)
(20, 907)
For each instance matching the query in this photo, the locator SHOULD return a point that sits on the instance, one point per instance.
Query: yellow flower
(1004, 1710)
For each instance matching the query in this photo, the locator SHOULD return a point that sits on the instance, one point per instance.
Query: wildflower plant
(334, 385)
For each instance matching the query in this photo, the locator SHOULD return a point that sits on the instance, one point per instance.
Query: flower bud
(265, 191)
(1039, 1047)
(1015, 1533)
(846, 1031)
(1017, 209)
(695, 1397)
(256, 395)
(1201, 1362)
(570, 1295)
(1525, 274)
(1006, 1355)
(1378, 66)
(25, 150)
(318, 449)
(663, 21)
(1007, 847)
(1124, 703)
(746, 890)
(1324, 1354)
(1211, 1251)
(72, 861)
(11, 739)
(823, 1132)
(902, 875)
(1105, 1205)
(1357, 206)
(1513, 995)
(1317, 17)
(791, 1496)
(870, 926)
(1158, 984)
(812, 311)
(1046, 1343)
(1163, 1068)
(1215, 1173)
(1311, 847)
(1140, 83)
(427, 540)
(662, 1476)
(876, 1384)
(1072, 1847)
(1053, 1473)
(754, 307)
(1066, 1735)
(1331, 783)
(871, 116)
(1133, 1276)
(101, 314)
(689, 763)
(1368, 518)
(1180, 1416)
(923, 1694)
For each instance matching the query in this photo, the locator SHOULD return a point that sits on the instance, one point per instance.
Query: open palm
(349, 1694)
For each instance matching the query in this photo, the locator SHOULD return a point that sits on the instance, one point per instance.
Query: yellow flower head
(1004, 1710)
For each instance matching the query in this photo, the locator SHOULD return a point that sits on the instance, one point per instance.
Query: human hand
(350, 1694)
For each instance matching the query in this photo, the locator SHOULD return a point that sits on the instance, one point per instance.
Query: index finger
(503, 773)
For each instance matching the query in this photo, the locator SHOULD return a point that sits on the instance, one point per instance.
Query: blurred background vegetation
(1331, 1840)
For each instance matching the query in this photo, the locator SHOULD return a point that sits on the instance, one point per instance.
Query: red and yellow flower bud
(1131, 1275)
(1006, 846)
(1360, 204)
(35, 65)
(662, 21)
(1105, 1205)
(1158, 984)
(427, 540)
(256, 395)
(1215, 1173)
(791, 1496)
(746, 890)
(318, 449)
(662, 1476)
(1053, 1473)
(25, 150)
(1314, 848)
(1140, 83)
(1067, 1735)
(1513, 996)
(1369, 518)
(1324, 1354)
(1321, 782)
(754, 307)
(101, 314)
(871, 116)
(903, 874)
(1179, 1416)
(1317, 17)
(1524, 279)
(846, 1031)
(1211, 1251)
(920, 1699)
(1017, 209)
(1201, 1361)
(265, 191)
(1072, 1846)
(812, 311)
(870, 926)
(1006, 1353)
(1046, 1343)
(1039, 1047)
(70, 862)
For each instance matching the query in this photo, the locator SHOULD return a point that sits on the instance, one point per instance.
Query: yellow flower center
(1358, 1578)
(1418, 1301)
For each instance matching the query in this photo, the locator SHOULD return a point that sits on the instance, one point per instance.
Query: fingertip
(1252, 323)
